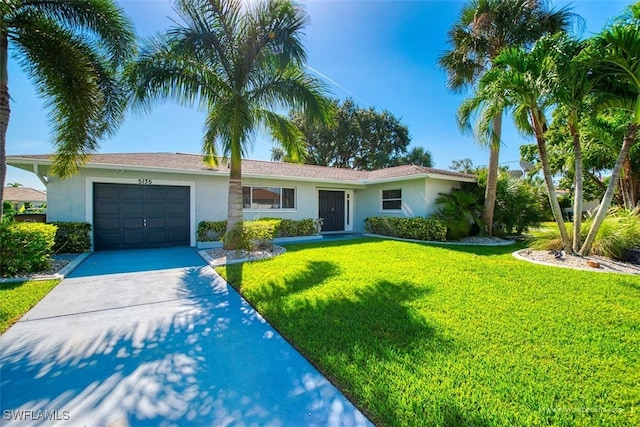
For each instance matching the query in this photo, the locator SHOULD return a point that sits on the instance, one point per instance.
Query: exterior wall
(418, 199)
(306, 200)
(72, 199)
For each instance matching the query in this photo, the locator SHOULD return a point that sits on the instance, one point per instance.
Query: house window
(391, 200)
(261, 198)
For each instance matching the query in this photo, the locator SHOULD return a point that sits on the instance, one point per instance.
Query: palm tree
(518, 81)
(567, 71)
(484, 29)
(72, 50)
(239, 63)
(617, 74)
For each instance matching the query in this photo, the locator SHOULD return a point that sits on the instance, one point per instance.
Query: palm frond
(113, 31)
(286, 133)
(85, 101)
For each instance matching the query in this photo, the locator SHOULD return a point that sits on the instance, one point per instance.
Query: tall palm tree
(617, 74)
(518, 82)
(570, 88)
(72, 50)
(484, 29)
(239, 62)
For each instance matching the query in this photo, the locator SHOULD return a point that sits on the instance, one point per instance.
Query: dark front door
(331, 210)
(140, 216)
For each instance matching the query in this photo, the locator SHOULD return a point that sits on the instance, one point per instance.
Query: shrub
(407, 228)
(461, 211)
(72, 237)
(211, 231)
(25, 247)
(253, 235)
(520, 204)
(619, 232)
(292, 228)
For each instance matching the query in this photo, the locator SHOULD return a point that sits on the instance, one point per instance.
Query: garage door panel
(179, 222)
(156, 193)
(156, 208)
(156, 223)
(134, 238)
(132, 192)
(141, 216)
(179, 193)
(130, 209)
(109, 239)
(109, 207)
(107, 192)
(108, 224)
(133, 223)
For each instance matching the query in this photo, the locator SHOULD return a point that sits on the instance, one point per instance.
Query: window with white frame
(391, 200)
(261, 198)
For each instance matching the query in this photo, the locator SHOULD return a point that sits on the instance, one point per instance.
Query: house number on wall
(145, 181)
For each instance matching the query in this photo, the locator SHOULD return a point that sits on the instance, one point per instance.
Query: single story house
(138, 200)
(19, 196)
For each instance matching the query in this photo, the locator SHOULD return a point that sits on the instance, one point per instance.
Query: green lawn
(433, 335)
(18, 298)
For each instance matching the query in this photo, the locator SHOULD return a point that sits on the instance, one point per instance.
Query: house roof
(180, 162)
(23, 194)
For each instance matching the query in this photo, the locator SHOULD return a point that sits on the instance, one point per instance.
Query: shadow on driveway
(180, 347)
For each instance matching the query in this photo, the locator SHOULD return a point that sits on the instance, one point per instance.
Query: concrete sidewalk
(157, 346)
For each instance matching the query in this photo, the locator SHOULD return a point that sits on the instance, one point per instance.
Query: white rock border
(478, 241)
(517, 254)
(224, 260)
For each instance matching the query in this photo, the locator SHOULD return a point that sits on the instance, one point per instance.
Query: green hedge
(72, 237)
(211, 231)
(407, 228)
(25, 247)
(252, 235)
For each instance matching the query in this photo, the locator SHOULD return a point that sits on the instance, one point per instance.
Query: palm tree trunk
(548, 179)
(492, 176)
(234, 205)
(627, 143)
(4, 114)
(629, 202)
(577, 196)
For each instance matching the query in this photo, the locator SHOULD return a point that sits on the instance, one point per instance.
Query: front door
(331, 210)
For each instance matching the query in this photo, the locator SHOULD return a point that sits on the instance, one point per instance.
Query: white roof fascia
(421, 176)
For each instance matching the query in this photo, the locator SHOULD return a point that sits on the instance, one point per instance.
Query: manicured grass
(433, 335)
(18, 298)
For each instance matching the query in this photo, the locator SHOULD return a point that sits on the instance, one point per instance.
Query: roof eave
(13, 161)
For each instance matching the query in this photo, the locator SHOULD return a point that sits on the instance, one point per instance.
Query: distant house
(19, 196)
(157, 199)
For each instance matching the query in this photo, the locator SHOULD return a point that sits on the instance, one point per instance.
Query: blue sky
(382, 53)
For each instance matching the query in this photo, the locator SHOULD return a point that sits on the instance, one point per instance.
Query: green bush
(520, 204)
(253, 235)
(25, 247)
(293, 228)
(211, 231)
(407, 228)
(619, 232)
(461, 211)
(72, 237)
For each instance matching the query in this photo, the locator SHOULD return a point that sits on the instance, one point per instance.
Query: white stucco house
(138, 200)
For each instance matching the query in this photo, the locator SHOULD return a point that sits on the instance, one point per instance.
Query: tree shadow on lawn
(316, 273)
(361, 330)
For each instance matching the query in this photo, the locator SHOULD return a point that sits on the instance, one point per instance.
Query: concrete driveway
(156, 337)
